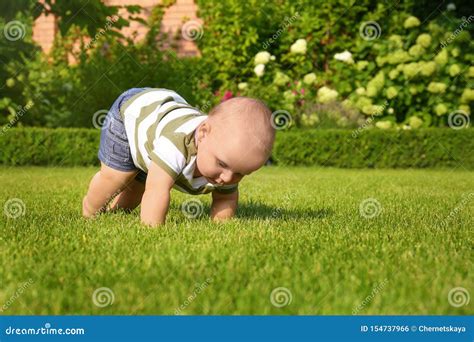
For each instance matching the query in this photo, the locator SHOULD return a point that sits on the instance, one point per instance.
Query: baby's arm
(156, 198)
(224, 206)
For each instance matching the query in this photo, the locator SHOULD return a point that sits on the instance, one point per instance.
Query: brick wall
(175, 16)
(44, 30)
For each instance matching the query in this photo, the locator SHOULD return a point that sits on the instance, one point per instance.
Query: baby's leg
(129, 198)
(106, 184)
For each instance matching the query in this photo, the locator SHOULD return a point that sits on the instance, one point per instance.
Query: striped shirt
(160, 127)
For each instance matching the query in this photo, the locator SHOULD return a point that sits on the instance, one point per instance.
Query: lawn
(306, 241)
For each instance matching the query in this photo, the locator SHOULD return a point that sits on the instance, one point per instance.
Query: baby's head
(235, 140)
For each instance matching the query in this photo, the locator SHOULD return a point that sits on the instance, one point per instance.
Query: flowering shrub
(410, 80)
(406, 75)
(60, 94)
(318, 60)
(302, 35)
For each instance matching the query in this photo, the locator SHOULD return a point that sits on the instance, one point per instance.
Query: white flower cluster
(299, 47)
(345, 57)
(260, 60)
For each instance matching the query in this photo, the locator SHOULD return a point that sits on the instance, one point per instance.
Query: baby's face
(224, 157)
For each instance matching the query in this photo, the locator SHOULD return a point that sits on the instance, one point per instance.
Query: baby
(153, 140)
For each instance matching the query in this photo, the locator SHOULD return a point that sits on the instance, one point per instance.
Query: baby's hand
(156, 198)
(224, 206)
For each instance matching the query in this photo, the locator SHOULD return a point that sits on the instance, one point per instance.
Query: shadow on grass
(255, 210)
(260, 211)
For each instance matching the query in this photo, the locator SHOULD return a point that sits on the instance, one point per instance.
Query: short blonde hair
(253, 115)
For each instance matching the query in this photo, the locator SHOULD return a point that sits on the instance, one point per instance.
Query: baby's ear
(204, 129)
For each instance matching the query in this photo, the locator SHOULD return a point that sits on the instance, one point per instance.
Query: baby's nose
(226, 177)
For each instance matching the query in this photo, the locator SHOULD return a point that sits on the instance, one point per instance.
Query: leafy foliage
(309, 58)
(373, 58)
(332, 147)
(373, 148)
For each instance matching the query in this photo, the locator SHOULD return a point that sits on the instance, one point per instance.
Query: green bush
(280, 51)
(24, 65)
(373, 148)
(373, 57)
(44, 146)
(409, 79)
(338, 148)
(234, 31)
(69, 95)
(84, 73)
(15, 51)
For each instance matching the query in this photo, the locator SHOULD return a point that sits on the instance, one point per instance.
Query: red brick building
(45, 27)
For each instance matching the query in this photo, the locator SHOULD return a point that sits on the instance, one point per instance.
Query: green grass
(298, 228)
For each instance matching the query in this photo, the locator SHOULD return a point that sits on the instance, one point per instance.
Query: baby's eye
(221, 164)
